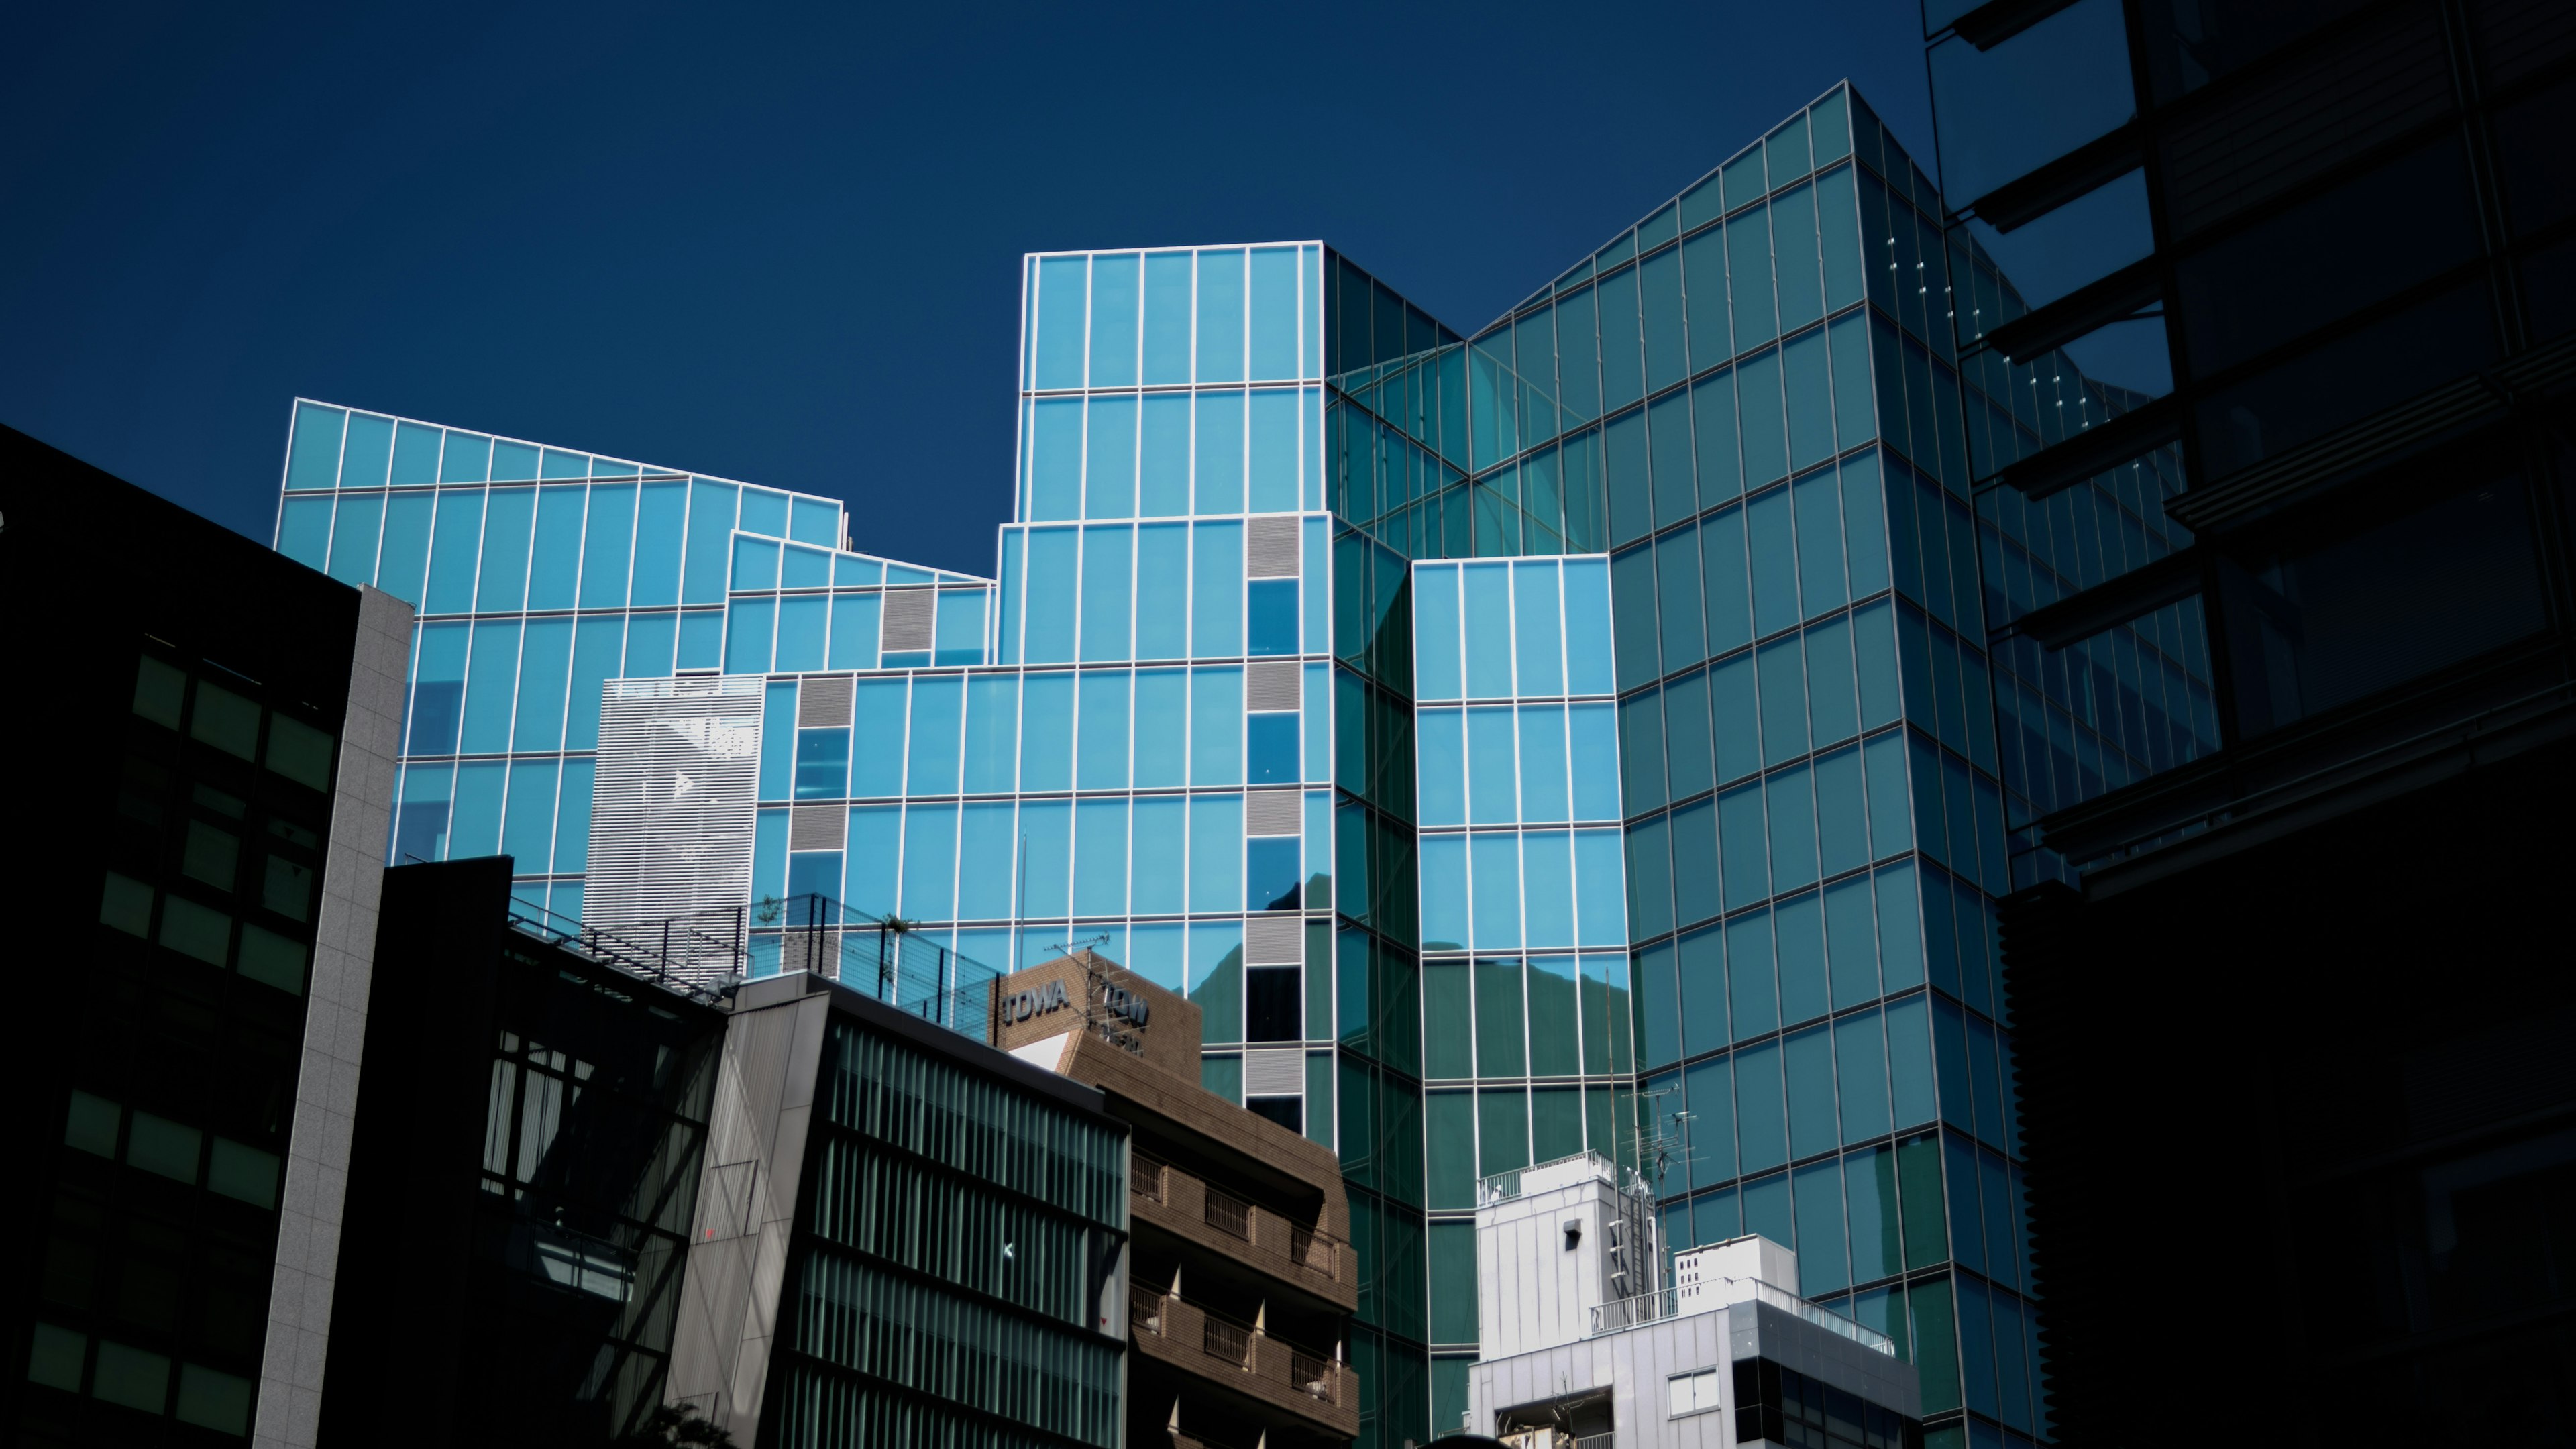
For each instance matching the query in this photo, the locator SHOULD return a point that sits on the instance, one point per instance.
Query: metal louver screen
(816, 827)
(671, 814)
(1273, 941)
(1273, 1072)
(823, 702)
(1270, 812)
(1270, 548)
(909, 615)
(1270, 686)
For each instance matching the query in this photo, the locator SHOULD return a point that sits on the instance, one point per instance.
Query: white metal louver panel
(1274, 941)
(1274, 1072)
(672, 812)
(1269, 685)
(1270, 812)
(910, 615)
(816, 827)
(1270, 547)
(824, 702)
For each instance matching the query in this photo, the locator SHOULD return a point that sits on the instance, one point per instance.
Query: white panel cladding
(1274, 941)
(1271, 812)
(909, 617)
(672, 812)
(1270, 547)
(1553, 1243)
(1633, 1368)
(1274, 1072)
(1269, 685)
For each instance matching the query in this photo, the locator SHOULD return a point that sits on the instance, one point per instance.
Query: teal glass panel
(438, 689)
(1046, 877)
(1114, 284)
(710, 542)
(1650, 886)
(476, 826)
(1622, 373)
(1838, 227)
(1502, 1131)
(1752, 976)
(1630, 484)
(1444, 892)
(1744, 182)
(755, 564)
(1874, 660)
(1100, 858)
(822, 765)
(1161, 721)
(1810, 398)
(1641, 750)
(1679, 602)
(847, 570)
(1220, 311)
(1851, 939)
(1890, 814)
(1632, 583)
(1578, 357)
(1798, 947)
(929, 862)
(1547, 881)
(1800, 274)
(1440, 749)
(660, 526)
(544, 661)
(1823, 1265)
(1216, 591)
(1592, 745)
(1216, 726)
(1046, 731)
(932, 750)
(1687, 759)
(1668, 426)
(1062, 300)
(415, 454)
(1168, 307)
(1055, 460)
(528, 829)
(1900, 927)
(404, 553)
(1813, 1124)
(1709, 1135)
(1771, 522)
(750, 626)
(1909, 1062)
(572, 821)
(490, 684)
(1273, 314)
(1163, 472)
(1748, 264)
(1725, 581)
(1842, 813)
(1449, 1143)
(1107, 571)
(778, 740)
(555, 560)
(366, 451)
(597, 657)
(1051, 569)
(1870, 1208)
(421, 829)
(1760, 419)
(512, 462)
(701, 639)
(1587, 627)
(1701, 1022)
(1542, 764)
(1761, 1115)
(1833, 703)
(992, 733)
(1318, 830)
(1102, 735)
(1162, 591)
(814, 521)
(1600, 901)
(1695, 876)
(1734, 719)
(1217, 453)
(1712, 404)
(1491, 769)
(1109, 459)
(503, 584)
(353, 537)
(1662, 1001)
(1216, 852)
(1784, 700)
(1704, 274)
(1272, 452)
(1436, 660)
(1161, 869)
(803, 623)
(804, 568)
(1500, 1020)
(313, 455)
(1861, 1062)
(465, 458)
(1855, 414)
(1270, 617)
(454, 550)
(1660, 298)
(856, 627)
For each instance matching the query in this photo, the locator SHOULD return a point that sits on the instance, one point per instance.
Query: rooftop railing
(878, 955)
(1504, 1186)
(1707, 1296)
(699, 956)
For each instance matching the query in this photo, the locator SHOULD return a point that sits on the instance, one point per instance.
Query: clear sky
(780, 243)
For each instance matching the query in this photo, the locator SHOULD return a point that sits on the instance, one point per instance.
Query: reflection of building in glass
(1682, 826)
(2330, 254)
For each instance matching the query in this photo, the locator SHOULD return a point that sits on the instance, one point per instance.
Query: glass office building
(1577, 735)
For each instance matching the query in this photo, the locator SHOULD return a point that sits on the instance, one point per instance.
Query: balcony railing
(1244, 1348)
(1711, 1294)
(1309, 1254)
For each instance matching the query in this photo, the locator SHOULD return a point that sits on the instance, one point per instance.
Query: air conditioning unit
(1539, 1439)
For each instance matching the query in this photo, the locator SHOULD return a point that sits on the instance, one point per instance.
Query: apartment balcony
(1313, 1388)
(1187, 1207)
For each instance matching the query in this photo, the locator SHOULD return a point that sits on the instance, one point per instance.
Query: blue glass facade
(1577, 735)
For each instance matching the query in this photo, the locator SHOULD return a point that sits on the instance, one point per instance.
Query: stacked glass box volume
(1672, 832)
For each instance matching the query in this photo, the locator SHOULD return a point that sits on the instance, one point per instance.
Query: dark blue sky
(782, 247)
